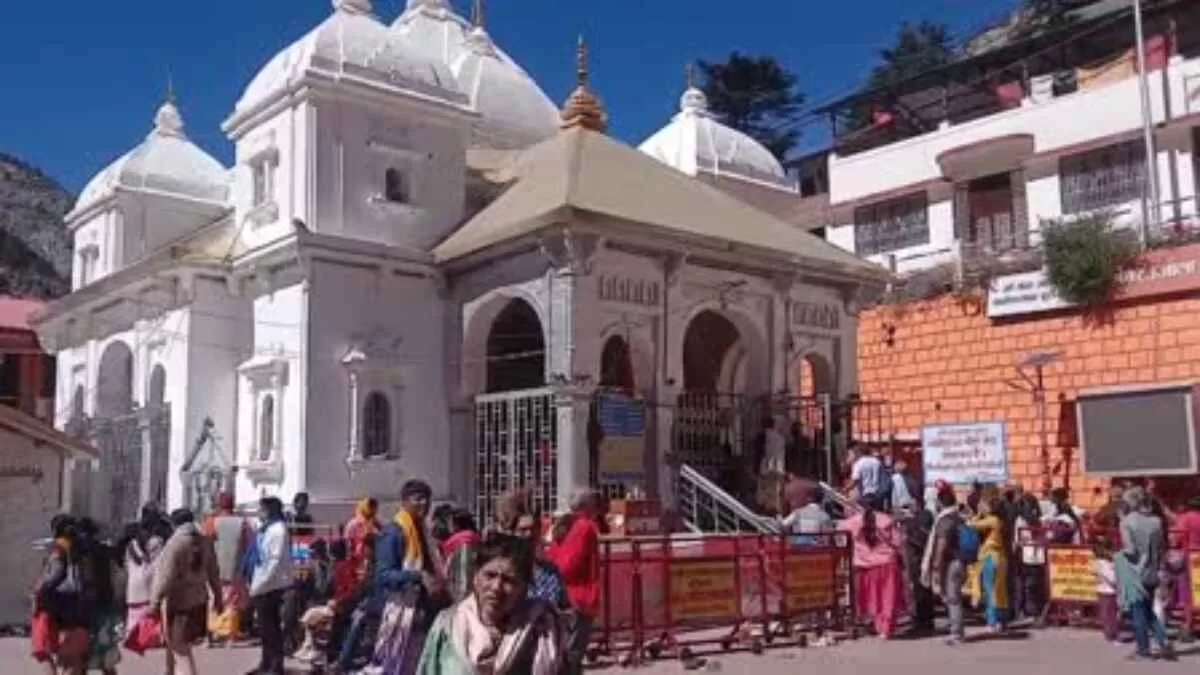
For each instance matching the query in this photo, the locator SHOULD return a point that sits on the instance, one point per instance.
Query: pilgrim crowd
(982, 550)
(424, 592)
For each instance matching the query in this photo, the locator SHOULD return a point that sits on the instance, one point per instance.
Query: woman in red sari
(878, 586)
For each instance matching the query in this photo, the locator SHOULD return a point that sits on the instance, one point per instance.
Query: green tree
(918, 48)
(758, 96)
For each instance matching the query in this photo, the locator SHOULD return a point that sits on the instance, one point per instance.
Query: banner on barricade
(1071, 578)
(703, 590)
(1194, 569)
(811, 585)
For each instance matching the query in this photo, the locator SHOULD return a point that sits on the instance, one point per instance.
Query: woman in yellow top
(989, 583)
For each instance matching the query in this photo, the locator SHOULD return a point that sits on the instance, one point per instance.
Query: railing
(705, 507)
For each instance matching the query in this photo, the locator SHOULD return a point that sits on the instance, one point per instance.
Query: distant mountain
(35, 247)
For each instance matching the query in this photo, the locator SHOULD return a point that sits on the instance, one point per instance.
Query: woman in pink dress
(878, 587)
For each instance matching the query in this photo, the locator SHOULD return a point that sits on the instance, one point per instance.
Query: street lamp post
(1150, 199)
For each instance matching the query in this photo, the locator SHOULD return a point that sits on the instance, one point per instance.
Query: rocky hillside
(35, 248)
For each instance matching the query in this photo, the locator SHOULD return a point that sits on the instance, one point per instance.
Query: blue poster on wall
(623, 444)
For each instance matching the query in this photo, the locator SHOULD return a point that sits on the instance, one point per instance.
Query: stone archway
(722, 353)
(158, 415)
(114, 381)
(814, 376)
(516, 349)
(116, 430)
(616, 364)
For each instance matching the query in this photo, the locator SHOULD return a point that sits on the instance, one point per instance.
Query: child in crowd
(336, 593)
(1107, 609)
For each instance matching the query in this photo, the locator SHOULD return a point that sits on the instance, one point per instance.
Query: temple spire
(477, 15)
(694, 101)
(583, 108)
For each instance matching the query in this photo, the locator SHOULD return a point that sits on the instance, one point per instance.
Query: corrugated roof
(584, 171)
(27, 425)
(15, 312)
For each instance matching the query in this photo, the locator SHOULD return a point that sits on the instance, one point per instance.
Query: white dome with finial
(166, 163)
(695, 141)
(350, 43)
(514, 111)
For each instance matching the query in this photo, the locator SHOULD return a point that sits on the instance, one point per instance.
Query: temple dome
(695, 140)
(350, 43)
(166, 162)
(514, 111)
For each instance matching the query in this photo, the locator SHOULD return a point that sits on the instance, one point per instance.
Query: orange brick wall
(949, 363)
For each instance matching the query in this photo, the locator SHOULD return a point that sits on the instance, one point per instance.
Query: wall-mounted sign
(627, 291)
(961, 454)
(1162, 272)
(816, 315)
(33, 473)
(623, 444)
(1025, 293)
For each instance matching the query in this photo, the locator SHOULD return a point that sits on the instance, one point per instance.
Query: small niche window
(262, 171)
(377, 426)
(395, 186)
(266, 427)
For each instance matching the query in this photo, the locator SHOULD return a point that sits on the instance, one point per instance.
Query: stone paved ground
(1052, 652)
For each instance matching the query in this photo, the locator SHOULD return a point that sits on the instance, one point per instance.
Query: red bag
(44, 637)
(145, 635)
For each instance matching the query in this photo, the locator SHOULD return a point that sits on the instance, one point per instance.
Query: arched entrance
(158, 413)
(724, 372)
(814, 376)
(516, 349)
(515, 430)
(616, 365)
(117, 433)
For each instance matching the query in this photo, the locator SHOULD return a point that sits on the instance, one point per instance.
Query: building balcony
(1031, 135)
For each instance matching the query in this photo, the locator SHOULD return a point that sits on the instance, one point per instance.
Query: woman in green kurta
(497, 629)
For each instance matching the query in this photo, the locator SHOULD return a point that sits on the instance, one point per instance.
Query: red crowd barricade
(665, 596)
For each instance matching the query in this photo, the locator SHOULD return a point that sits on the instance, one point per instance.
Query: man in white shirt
(867, 476)
(773, 466)
(272, 576)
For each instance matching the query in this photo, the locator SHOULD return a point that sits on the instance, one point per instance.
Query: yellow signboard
(703, 590)
(1071, 575)
(810, 581)
(1194, 568)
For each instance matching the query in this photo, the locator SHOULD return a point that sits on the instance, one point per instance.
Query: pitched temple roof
(581, 172)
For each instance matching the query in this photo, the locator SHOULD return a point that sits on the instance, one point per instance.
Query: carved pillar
(572, 406)
(664, 412)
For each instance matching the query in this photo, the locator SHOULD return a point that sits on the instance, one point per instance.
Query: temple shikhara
(420, 266)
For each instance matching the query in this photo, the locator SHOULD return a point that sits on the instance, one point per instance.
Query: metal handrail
(702, 502)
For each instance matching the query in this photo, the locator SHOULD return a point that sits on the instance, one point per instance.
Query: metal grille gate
(717, 433)
(121, 441)
(516, 445)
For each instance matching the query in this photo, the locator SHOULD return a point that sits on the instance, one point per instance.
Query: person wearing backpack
(989, 579)
(60, 618)
(943, 565)
(185, 579)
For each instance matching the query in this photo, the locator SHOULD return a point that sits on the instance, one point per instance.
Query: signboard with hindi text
(703, 590)
(961, 454)
(811, 581)
(622, 452)
(1071, 576)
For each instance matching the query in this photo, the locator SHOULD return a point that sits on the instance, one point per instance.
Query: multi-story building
(26, 372)
(958, 169)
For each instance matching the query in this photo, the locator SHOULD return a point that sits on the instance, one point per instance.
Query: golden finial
(477, 14)
(689, 74)
(583, 108)
(581, 62)
(170, 87)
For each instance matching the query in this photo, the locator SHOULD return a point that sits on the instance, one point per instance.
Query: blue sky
(80, 79)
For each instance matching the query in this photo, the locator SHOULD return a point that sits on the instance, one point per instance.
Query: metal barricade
(667, 596)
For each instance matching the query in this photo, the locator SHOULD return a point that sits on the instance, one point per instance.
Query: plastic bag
(146, 634)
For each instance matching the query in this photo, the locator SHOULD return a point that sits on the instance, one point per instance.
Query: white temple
(419, 267)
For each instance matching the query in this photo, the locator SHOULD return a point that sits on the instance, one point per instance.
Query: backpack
(968, 543)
